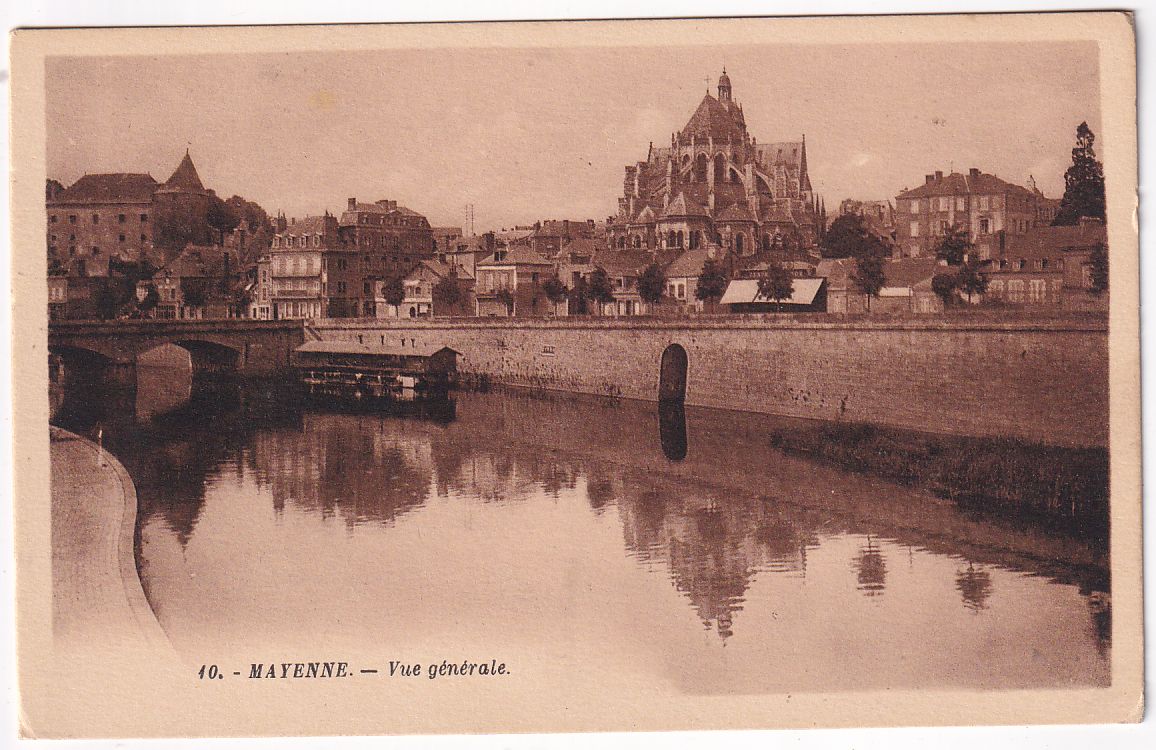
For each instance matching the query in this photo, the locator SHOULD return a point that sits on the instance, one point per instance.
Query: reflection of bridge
(245, 347)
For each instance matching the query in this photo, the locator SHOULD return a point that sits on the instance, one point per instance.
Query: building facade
(716, 184)
(122, 216)
(989, 208)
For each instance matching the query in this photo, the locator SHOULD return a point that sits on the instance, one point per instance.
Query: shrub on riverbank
(1062, 488)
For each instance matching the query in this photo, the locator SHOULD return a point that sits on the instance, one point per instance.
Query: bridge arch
(211, 356)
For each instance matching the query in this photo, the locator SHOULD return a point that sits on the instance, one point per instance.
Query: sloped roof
(899, 273)
(515, 254)
(628, 262)
(352, 347)
(1050, 242)
(185, 177)
(907, 272)
(645, 216)
(713, 119)
(690, 263)
(119, 187)
(309, 225)
(441, 270)
(735, 213)
(788, 153)
(740, 291)
(957, 183)
(683, 206)
(780, 214)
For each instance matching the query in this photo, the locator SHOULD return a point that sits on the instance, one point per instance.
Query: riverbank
(96, 592)
(1062, 489)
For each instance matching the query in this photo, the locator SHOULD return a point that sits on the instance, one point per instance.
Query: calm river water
(673, 548)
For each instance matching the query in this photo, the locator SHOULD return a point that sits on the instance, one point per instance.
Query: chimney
(352, 204)
(928, 179)
(938, 175)
(974, 172)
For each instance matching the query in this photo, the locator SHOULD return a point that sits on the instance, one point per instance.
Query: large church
(715, 184)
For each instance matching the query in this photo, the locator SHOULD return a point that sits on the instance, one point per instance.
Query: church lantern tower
(724, 88)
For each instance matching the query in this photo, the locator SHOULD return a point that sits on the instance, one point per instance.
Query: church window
(719, 168)
(739, 243)
(120, 218)
(699, 168)
(637, 241)
(678, 239)
(984, 226)
(670, 238)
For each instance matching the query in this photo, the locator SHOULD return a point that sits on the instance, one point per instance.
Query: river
(672, 547)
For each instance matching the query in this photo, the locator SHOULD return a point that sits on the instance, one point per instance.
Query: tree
(193, 292)
(447, 293)
(579, 296)
(776, 284)
(652, 284)
(868, 274)
(970, 280)
(1083, 182)
(555, 290)
(954, 245)
(712, 282)
(600, 289)
(944, 285)
(393, 292)
(847, 237)
(150, 300)
(506, 297)
(1098, 259)
(222, 217)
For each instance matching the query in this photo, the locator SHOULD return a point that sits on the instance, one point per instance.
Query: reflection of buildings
(713, 549)
(871, 569)
(361, 470)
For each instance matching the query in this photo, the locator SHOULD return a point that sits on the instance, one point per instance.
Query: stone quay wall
(1040, 380)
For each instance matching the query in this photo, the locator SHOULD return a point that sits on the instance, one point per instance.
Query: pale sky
(527, 134)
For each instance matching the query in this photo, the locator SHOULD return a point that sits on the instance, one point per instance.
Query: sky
(527, 134)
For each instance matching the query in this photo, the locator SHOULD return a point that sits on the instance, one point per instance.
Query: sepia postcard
(576, 376)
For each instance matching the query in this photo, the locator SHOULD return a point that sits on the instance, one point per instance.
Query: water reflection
(760, 550)
(974, 586)
(871, 569)
(672, 429)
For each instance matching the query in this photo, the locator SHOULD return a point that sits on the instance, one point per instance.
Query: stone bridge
(249, 348)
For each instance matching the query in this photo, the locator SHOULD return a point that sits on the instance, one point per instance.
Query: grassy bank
(1064, 489)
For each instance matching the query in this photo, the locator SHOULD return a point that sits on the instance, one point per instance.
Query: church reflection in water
(712, 519)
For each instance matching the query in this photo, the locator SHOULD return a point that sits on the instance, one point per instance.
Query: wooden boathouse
(352, 369)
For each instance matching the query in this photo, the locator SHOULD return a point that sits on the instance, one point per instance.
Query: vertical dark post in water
(672, 374)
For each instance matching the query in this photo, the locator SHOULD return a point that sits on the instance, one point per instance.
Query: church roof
(109, 188)
(645, 216)
(735, 213)
(787, 153)
(715, 120)
(780, 214)
(185, 177)
(683, 206)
